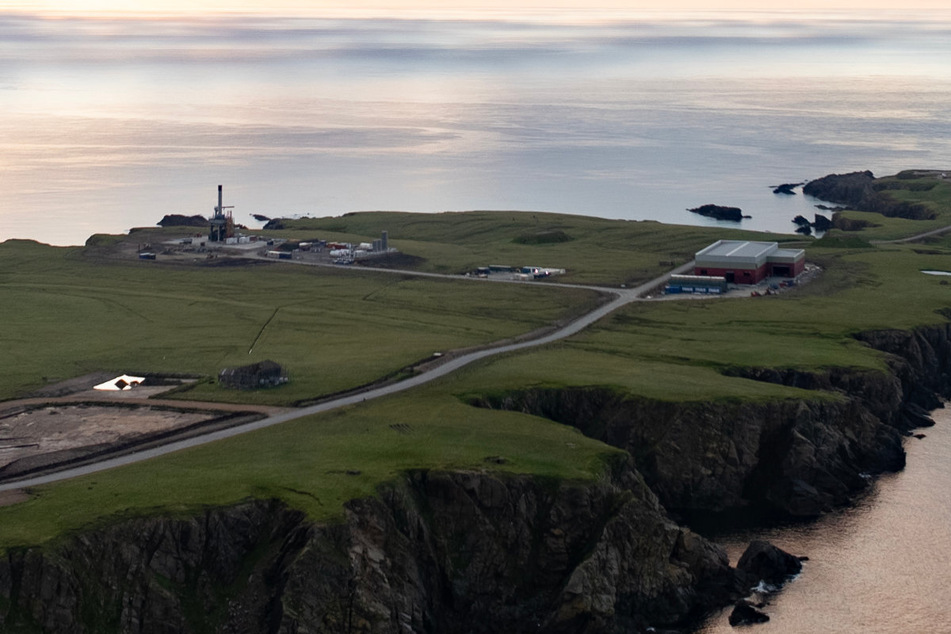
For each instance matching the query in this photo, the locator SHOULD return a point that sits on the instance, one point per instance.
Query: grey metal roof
(739, 249)
(727, 253)
(787, 255)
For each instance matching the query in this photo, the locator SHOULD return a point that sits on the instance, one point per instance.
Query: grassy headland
(315, 464)
(894, 207)
(65, 315)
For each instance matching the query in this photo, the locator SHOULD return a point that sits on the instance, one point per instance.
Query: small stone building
(255, 376)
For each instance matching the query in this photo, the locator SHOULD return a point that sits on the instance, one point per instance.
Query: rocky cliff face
(797, 458)
(920, 360)
(437, 552)
(786, 458)
(488, 552)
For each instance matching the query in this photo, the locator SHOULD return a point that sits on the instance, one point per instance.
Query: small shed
(255, 376)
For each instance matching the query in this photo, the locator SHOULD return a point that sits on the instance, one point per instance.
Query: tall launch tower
(222, 225)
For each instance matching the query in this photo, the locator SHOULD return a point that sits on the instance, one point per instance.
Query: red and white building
(743, 262)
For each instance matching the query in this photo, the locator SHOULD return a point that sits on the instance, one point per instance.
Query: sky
(579, 108)
(445, 6)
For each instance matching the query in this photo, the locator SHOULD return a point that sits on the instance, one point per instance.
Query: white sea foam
(764, 588)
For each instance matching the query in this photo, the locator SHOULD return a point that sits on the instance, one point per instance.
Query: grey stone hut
(255, 376)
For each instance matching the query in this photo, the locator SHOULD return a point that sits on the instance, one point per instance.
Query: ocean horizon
(111, 122)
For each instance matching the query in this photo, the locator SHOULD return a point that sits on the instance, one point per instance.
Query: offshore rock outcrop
(437, 552)
(720, 212)
(763, 562)
(788, 189)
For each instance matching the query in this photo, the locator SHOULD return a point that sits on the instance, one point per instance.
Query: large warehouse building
(748, 262)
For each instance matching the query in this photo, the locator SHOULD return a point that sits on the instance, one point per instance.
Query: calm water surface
(110, 124)
(881, 567)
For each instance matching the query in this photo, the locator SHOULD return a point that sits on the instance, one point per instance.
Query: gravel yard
(42, 436)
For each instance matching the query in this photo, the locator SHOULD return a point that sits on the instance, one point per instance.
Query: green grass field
(662, 350)
(315, 464)
(886, 229)
(65, 315)
(684, 350)
(334, 329)
(591, 250)
(921, 187)
(318, 463)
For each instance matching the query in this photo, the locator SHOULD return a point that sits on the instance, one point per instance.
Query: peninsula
(472, 503)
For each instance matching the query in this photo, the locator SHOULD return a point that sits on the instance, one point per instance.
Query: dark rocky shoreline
(861, 191)
(491, 552)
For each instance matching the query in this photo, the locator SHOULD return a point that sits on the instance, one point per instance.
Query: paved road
(919, 236)
(621, 298)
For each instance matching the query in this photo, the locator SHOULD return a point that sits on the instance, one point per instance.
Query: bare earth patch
(61, 428)
(68, 423)
(14, 496)
(41, 437)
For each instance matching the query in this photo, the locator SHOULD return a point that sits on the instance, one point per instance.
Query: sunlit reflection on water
(110, 124)
(878, 567)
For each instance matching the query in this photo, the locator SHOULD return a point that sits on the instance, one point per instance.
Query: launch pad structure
(221, 224)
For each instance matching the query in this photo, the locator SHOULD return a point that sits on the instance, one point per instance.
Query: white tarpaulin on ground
(124, 382)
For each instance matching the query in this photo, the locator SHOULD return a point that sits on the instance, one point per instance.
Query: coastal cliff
(473, 552)
(861, 191)
(787, 458)
(794, 458)
(434, 552)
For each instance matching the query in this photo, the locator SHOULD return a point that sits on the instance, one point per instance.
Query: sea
(109, 122)
(879, 567)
